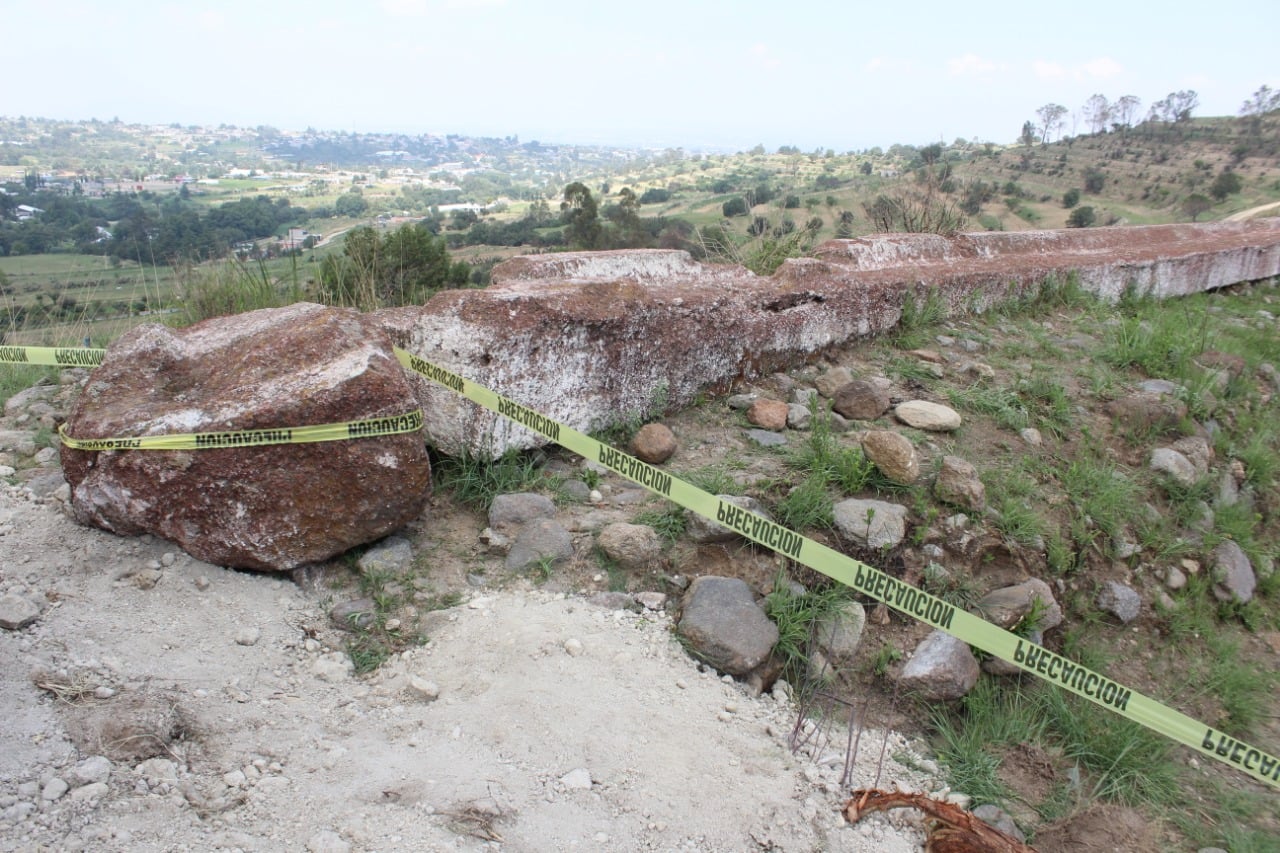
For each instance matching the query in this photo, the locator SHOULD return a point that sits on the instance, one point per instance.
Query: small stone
(1174, 578)
(577, 780)
(248, 636)
(54, 789)
(958, 484)
(423, 689)
(234, 779)
(653, 443)
(146, 578)
(931, 417)
(1233, 575)
(573, 647)
(327, 841)
(95, 768)
(893, 454)
(168, 558)
(799, 416)
(766, 438)
(1120, 600)
(1172, 463)
(768, 414)
(652, 600)
(354, 615)
(202, 583)
(741, 402)
(861, 400)
(92, 791)
(876, 524)
(1031, 436)
(832, 381)
(391, 556)
(17, 612)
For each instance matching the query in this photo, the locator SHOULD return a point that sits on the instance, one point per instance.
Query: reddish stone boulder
(860, 400)
(653, 443)
(272, 507)
(768, 414)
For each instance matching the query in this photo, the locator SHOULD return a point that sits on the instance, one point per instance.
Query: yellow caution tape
(874, 583)
(55, 356)
(393, 425)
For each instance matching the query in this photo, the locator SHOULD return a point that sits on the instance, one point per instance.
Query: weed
(886, 657)
(808, 505)
(476, 480)
(591, 477)
(799, 616)
(541, 569)
(957, 589)
(617, 576)
(917, 316)
(670, 521)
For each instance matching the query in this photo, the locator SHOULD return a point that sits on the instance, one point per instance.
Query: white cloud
(1102, 67)
(1048, 70)
(405, 8)
(971, 63)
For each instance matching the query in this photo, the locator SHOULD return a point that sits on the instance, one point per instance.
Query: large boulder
(268, 507)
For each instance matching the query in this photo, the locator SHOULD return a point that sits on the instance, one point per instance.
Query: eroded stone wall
(597, 338)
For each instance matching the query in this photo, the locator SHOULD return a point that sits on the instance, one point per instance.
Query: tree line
(143, 227)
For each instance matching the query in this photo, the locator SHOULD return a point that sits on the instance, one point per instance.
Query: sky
(714, 75)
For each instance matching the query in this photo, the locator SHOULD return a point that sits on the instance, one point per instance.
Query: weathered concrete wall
(592, 339)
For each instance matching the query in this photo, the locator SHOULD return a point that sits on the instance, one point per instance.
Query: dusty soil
(233, 722)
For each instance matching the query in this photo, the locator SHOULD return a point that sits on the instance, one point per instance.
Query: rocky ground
(513, 680)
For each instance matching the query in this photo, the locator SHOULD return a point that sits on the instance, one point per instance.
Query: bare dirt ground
(232, 722)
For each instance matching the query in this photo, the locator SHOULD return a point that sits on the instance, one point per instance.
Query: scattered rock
(958, 483)
(17, 612)
(840, 634)
(1198, 452)
(392, 556)
(1031, 436)
(508, 512)
(1145, 411)
(1233, 575)
(1120, 600)
(654, 601)
(799, 416)
(724, 626)
(1000, 819)
(861, 400)
(1228, 490)
(827, 384)
(653, 443)
(577, 780)
(327, 841)
(766, 438)
(248, 636)
(893, 454)
(333, 667)
(355, 614)
(1174, 578)
(54, 789)
(942, 668)
(95, 768)
(931, 417)
(543, 539)
(1174, 465)
(875, 524)
(1008, 605)
(633, 546)
(423, 689)
(768, 414)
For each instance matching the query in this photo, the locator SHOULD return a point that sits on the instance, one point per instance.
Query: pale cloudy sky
(843, 75)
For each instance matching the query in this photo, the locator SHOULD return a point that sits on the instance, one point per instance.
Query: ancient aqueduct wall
(593, 338)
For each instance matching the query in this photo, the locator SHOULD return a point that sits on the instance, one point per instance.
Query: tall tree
(581, 217)
(1097, 111)
(1126, 109)
(1050, 116)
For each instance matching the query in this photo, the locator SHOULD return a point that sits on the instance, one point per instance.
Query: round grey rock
(510, 511)
(941, 669)
(632, 546)
(724, 626)
(543, 539)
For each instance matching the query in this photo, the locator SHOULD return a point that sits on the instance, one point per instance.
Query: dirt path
(556, 725)
(1252, 212)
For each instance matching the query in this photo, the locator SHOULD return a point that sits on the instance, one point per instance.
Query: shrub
(1082, 217)
(1071, 198)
